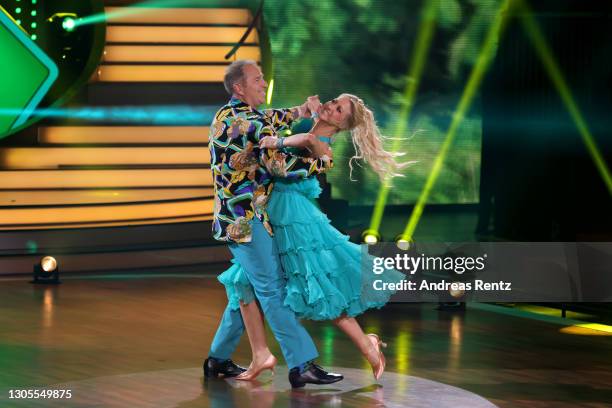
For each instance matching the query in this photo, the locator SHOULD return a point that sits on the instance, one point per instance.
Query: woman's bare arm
(306, 141)
(300, 140)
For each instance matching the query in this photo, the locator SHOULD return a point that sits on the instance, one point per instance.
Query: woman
(323, 269)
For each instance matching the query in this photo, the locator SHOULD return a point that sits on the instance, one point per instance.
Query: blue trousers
(261, 262)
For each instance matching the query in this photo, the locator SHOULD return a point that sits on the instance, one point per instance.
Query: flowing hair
(368, 142)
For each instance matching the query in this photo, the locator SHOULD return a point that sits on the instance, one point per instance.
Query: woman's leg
(368, 345)
(254, 324)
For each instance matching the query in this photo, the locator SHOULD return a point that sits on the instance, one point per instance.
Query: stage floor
(137, 341)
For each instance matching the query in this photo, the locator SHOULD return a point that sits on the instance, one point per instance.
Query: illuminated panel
(105, 213)
(51, 157)
(166, 220)
(123, 134)
(26, 73)
(160, 73)
(24, 179)
(143, 34)
(62, 197)
(178, 15)
(175, 53)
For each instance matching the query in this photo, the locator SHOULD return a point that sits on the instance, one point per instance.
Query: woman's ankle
(261, 355)
(371, 353)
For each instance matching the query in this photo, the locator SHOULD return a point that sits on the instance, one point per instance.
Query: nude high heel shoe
(379, 368)
(252, 372)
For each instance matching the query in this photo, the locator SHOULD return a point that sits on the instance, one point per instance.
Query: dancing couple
(289, 262)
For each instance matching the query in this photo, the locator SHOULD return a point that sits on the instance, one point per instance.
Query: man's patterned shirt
(243, 173)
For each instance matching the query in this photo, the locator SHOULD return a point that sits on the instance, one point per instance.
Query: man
(242, 175)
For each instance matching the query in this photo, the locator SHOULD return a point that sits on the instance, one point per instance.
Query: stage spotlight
(456, 292)
(48, 264)
(68, 24)
(68, 21)
(403, 242)
(370, 237)
(46, 271)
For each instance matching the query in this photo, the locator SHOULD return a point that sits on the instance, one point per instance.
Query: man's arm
(284, 164)
(283, 118)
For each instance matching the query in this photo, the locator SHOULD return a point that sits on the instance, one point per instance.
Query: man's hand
(268, 142)
(309, 107)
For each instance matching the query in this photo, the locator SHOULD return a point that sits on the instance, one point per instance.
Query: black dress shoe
(312, 375)
(227, 368)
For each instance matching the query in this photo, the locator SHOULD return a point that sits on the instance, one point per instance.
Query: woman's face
(336, 111)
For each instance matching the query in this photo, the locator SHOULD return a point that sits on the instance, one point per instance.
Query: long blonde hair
(368, 142)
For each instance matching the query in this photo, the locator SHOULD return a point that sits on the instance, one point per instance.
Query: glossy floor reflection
(186, 388)
(136, 341)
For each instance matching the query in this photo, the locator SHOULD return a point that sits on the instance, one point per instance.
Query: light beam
(554, 71)
(475, 79)
(419, 56)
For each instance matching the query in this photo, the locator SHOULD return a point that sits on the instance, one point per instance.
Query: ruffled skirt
(327, 276)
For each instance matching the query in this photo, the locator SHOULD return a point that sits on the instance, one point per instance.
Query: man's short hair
(234, 74)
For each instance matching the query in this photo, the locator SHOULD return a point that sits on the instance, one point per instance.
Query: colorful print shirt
(242, 172)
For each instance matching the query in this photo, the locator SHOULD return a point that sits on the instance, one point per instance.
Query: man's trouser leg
(228, 335)
(259, 258)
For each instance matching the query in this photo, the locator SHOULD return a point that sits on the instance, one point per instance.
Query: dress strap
(325, 139)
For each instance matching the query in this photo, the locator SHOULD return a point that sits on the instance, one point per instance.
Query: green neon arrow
(26, 74)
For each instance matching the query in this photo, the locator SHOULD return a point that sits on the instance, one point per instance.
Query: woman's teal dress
(326, 276)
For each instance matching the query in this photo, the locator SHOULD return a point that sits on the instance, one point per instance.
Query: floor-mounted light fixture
(46, 271)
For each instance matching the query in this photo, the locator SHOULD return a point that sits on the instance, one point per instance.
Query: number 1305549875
(40, 394)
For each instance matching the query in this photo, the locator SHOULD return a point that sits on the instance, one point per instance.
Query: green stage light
(68, 24)
(552, 68)
(370, 237)
(419, 56)
(68, 21)
(482, 63)
(133, 9)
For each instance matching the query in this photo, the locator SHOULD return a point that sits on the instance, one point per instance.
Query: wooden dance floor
(139, 341)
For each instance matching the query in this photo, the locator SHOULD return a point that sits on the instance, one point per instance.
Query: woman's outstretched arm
(300, 140)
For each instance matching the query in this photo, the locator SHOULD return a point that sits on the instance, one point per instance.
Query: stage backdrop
(364, 47)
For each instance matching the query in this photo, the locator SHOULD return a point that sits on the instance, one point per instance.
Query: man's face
(252, 89)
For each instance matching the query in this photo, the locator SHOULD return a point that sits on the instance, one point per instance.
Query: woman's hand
(311, 106)
(314, 104)
(268, 142)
